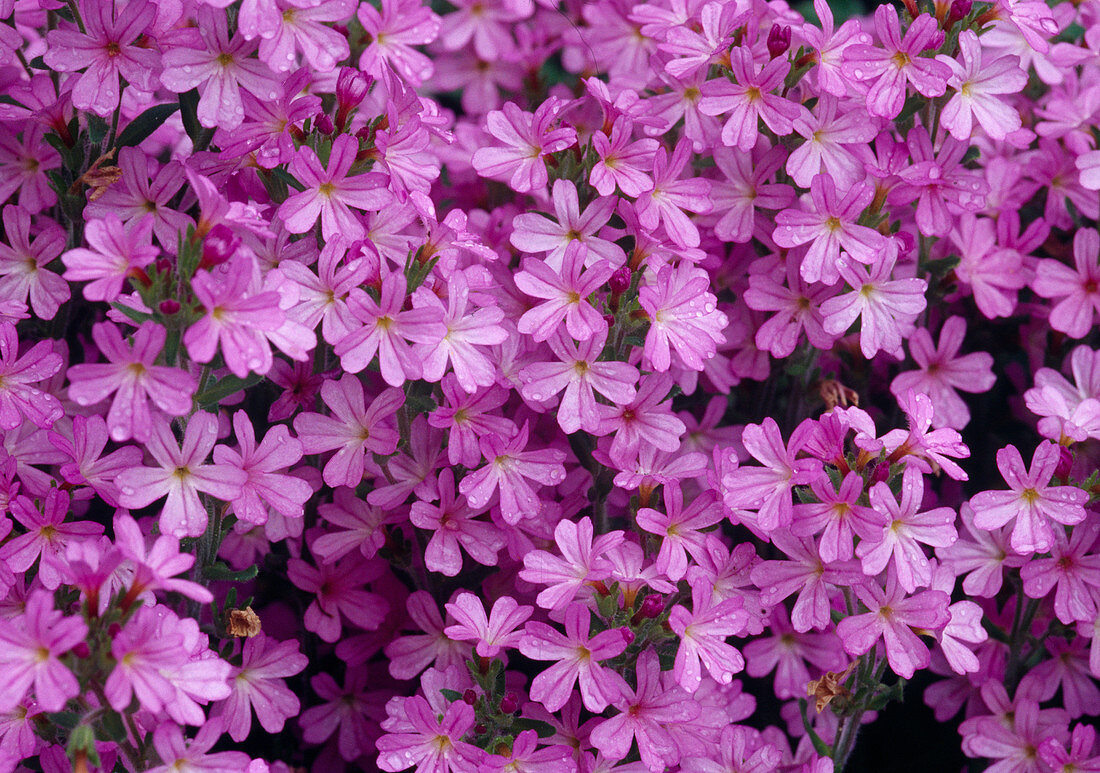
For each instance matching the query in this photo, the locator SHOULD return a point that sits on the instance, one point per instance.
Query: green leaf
(288, 178)
(82, 742)
(225, 387)
(220, 571)
(97, 128)
(145, 124)
(134, 314)
(451, 695)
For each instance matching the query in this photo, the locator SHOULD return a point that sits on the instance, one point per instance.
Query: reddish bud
(779, 40)
(351, 88)
(218, 246)
(324, 124)
(652, 606)
(509, 704)
(163, 265)
(169, 306)
(620, 280)
(959, 11)
(1065, 463)
(627, 634)
(469, 697)
(81, 650)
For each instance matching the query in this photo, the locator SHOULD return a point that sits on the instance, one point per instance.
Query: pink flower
(181, 475)
(509, 467)
(978, 81)
(577, 659)
(583, 559)
(1032, 502)
(703, 632)
(680, 529)
(257, 684)
(527, 138)
(155, 566)
(32, 645)
(746, 188)
(921, 447)
(179, 754)
(837, 515)
(581, 375)
(409, 655)
(981, 554)
(392, 34)
(565, 293)
(885, 307)
(117, 254)
(622, 163)
(1075, 290)
(431, 742)
(24, 165)
(683, 316)
(339, 593)
(892, 616)
(47, 536)
(526, 756)
(107, 48)
(644, 714)
(749, 99)
(265, 487)
(330, 193)
(134, 379)
(1072, 571)
(19, 401)
(492, 634)
(206, 58)
(348, 711)
(351, 430)
(941, 372)
(670, 196)
(828, 224)
(534, 233)
(903, 527)
(452, 525)
(828, 132)
(898, 62)
(300, 27)
(468, 418)
(23, 263)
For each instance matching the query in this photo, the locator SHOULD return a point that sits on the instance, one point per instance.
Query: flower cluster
(497, 385)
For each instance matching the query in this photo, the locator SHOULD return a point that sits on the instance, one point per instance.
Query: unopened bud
(218, 246)
(627, 634)
(169, 306)
(620, 280)
(469, 697)
(880, 474)
(652, 606)
(163, 265)
(351, 88)
(509, 704)
(81, 650)
(959, 10)
(324, 124)
(906, 243)
(779, 40)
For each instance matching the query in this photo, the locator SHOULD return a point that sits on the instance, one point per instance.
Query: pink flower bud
(352, 86)
(324, 124)
(779, 40)
(627, 634)
(959, 11)
(620, 280)
(219, 246)
(169, 306)
(81, 649)
(652, 606)
(469, 697)
(1065, 463)
(509, 704)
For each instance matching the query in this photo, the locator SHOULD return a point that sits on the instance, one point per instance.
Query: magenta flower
(351, 430)
(349, 712)
(117, 254)
(32, 645)
(623, 162)
(23, 263)
(265, 487)
(431, 742)
(19, 401)
(1032, 503)
(1076, 290)
(468, 418)
(922, 446)
(581, 374)
(452, 525)
(300, 27)
(1072, 571)
(330, 193)
(527, 137)
(583, 559)
(671, 197)
(942, 372)
(47, 536)
(981, 554)
(456, 335)
(498, 631)
(509, 467)
(746, 188)
(749, 100)
(534, 233)
(206, 58)
(644, 714)
(828, 133)
(565, 293)
(898, 62)
(339, 594)
(88, 466)
(684, 318)
(409, 655)
(135, 197)
(703, 632)
(180, 754)
(680, 529)
(257, 685)
(24, 165)
(892, 616)
(181, 475)
(904, 529)
(837, 515)
(979, 81)
(828, 224)
(134, 379)
(577, 657)
(107, 48)
(393, 32)
(155, 566)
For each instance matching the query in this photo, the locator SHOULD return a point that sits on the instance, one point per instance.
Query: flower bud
(469, 697)
(169, 306)
(906, 243)
(652, 606)
(81, 650)
(324, 124)
(627, 634)
(114, 629)
(959, 11)
(880, 474)
(779, 40)
(620, 280)
(509, 704)
(218, 246)
(163, 265)
(352, 86)
(1065, 463)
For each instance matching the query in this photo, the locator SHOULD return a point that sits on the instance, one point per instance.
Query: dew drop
(187, 68)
